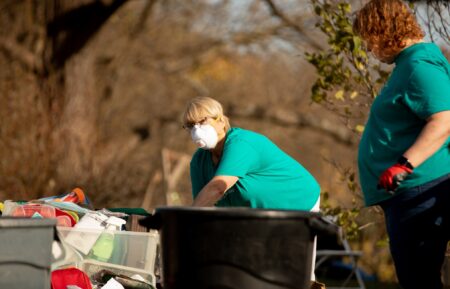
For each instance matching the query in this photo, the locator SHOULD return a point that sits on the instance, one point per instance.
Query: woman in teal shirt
(404, 153)
(234, 167)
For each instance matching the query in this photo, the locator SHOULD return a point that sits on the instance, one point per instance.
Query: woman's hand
(214, 190)
(391, 178)
(431, 138)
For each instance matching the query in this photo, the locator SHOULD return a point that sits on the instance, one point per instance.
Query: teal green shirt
(418, 87)
(268, 177)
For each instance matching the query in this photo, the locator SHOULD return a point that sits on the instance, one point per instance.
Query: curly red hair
(387, 24)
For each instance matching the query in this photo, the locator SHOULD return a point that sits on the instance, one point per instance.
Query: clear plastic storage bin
(132, 252)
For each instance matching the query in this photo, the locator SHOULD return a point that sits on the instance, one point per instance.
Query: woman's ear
(403, 43)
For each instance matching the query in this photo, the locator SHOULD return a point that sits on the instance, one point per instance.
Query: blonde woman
(234, 167)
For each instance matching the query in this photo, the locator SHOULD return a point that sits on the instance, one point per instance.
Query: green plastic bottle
(104, 246)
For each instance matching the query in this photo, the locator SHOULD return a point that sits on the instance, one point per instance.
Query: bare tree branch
(143, 17)
(20, 53)
(289, 23)
(251, 37)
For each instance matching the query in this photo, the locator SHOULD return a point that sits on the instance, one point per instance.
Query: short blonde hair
(200, 107)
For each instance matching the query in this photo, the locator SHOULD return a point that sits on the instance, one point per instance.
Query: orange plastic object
(76, 196)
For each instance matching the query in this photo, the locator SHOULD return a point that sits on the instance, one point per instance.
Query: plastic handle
(321, 226)
(152, 222)
(57, 245)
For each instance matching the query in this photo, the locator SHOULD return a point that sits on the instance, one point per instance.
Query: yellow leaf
(359, 128)
(339, 95)
(353, 95)
(360, 66)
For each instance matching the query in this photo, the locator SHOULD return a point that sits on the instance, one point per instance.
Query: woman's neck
(218, 150)
(411, 42)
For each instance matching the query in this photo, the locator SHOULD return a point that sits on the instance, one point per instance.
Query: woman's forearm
(209, 195)
(432, 137)
(214, 191)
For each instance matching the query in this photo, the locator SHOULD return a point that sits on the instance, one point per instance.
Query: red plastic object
(70, 276)
(64, 219)
(45, 211)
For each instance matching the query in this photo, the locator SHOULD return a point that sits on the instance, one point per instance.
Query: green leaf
(318, 10)
(356, 44)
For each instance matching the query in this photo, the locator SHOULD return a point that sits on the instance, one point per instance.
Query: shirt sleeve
(429, 91)
(238, 158)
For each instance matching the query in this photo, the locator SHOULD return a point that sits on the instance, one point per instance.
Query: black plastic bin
(25, 252)
(236, 248)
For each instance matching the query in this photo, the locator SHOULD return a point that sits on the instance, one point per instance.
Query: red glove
(391, 178)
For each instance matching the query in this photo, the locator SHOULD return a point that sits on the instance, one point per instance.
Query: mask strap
(215, 119)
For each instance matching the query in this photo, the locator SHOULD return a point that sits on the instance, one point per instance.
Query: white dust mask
(205, 136)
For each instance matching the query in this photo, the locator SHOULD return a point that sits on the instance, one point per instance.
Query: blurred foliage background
(92, 93)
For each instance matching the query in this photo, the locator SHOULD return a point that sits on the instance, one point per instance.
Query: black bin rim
(237, 212)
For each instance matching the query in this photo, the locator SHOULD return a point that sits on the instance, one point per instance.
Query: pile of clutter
(92, 249)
